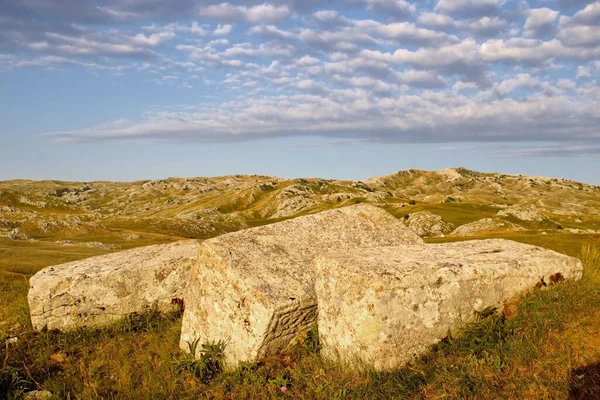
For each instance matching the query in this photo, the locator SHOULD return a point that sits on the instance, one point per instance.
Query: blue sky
(139, 89)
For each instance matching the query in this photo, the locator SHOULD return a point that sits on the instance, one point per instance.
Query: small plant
(206, 365)
(12, 383)
(309, 340)
(590, 257)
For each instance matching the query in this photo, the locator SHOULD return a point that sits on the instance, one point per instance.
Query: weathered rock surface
(383, 306)
(100, 290)
(486, 225)
(523, 212)
(255, 288)
(427, 224)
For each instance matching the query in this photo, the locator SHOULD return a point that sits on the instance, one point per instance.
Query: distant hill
(144, 212)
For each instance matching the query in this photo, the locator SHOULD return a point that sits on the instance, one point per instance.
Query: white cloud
(432, 116)
(583, 72)
(326, 15)
(153, 39)
(221, 30)
(531, 51)
(470, 7)
(262, 13)
(540, 21)
(446, 70)
(580, 35)
(397, 8)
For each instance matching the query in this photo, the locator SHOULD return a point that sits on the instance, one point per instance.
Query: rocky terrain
(116, 215)
(81, 226)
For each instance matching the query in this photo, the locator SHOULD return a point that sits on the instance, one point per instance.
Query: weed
(206, 364)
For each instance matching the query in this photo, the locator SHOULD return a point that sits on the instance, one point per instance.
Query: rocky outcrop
(255, 288)
(523, 212)
(381, 307)
(100, 290)
(486, 225)
(427, 224)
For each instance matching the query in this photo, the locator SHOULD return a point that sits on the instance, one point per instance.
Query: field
(545, 345)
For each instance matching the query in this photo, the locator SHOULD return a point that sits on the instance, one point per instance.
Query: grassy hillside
(546, 346)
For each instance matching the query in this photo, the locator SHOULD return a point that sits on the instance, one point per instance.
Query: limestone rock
(383, 306)
(255, 288)
(37, 395)
(100, 290)
(486, 225)
(523, 212)
(427, 224)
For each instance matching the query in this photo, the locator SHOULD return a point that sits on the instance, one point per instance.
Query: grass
(541, 351)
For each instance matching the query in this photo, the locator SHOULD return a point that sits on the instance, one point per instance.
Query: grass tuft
(590, 257)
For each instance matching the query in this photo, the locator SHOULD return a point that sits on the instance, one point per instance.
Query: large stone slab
(100, 290)
(255, 288)
(381, 307)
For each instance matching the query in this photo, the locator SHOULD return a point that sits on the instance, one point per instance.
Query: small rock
(37, 395)
(426, 224)
(523, 212)
(12, 340)
(486, 225)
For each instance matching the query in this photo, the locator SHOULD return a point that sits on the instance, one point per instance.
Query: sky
(346, 89)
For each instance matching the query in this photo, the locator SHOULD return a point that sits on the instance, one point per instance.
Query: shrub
(412, 202)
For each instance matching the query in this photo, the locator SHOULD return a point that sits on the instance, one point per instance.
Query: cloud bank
(366, 70)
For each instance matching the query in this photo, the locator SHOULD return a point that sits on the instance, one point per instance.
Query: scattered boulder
(427, 224)
(100, 290)
(255, 288)
(17, 234)
(381, 307)
(486, 225)
(523, 212)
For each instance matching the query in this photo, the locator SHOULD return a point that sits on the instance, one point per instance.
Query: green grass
(454, 213)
